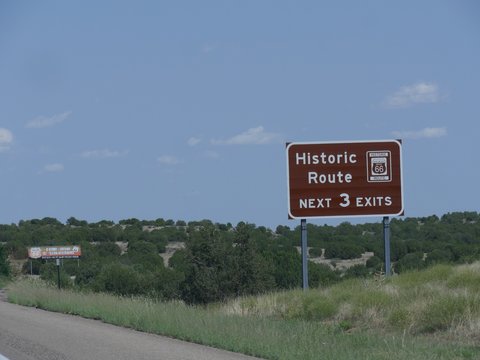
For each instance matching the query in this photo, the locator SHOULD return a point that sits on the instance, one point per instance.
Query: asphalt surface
(29, 333)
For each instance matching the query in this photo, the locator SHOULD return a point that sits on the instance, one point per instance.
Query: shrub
(32, 267)
(410, 262)
(167, 282)
(107, 249)
(118, 279)
(87, 273)
(315, 252)
(357, 271)
(465, 277)
(17, 250)
(4, 264)
(399, 318)
(144, 255)
(343, 251)
(49, 273)
(438, 256)
(310, 306)
(315, 307)
(442, 313)
(374, 263)
(321, 275)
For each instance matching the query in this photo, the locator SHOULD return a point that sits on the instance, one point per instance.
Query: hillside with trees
(221, 261)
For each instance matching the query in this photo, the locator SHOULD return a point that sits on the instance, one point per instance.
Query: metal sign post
(303, 223)
(58, 272)
(386, 241)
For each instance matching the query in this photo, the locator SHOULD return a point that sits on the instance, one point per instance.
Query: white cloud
(103, 154)
(211, 154)
(6, 139)
(419, 93)
(193, 141)
(56, 167)
(421, 134)
(253, 136)
(43, 121)
(168, 160)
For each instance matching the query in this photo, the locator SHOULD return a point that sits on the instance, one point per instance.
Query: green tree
(49, 273)
(179, 261)
(358, 270)
(412, 261)
(71, 221)
(343, 250)
(287, 267)
(374, 263)
(119, 279)
(439, 256)
(144, 256)
(321, 275)
(17, 249)
(107, 250)
(131, 221)
(315, 252)
(208, 274)
(4, 264)
(166, 283)
(253, 273)
(87, 274)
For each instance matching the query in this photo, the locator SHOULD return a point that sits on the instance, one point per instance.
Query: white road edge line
(3, 357)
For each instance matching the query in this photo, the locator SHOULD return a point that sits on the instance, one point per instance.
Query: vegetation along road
(29, 333)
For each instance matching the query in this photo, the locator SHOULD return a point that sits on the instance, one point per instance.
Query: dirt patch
(123, 246)
(170, 250)
(338, 263)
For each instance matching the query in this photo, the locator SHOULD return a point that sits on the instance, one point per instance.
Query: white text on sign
(359, 201)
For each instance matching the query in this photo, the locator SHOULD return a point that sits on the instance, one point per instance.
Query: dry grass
(442, 300)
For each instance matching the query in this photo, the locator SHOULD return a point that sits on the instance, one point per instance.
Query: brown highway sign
(55, 252)
(336, 179)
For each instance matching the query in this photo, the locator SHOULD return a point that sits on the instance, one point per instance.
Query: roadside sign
(55, 252)
(337, 179)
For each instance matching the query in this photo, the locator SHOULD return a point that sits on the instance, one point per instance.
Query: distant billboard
(55, 252)
(360, 178)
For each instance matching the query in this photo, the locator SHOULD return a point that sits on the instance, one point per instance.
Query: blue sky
(181, 109)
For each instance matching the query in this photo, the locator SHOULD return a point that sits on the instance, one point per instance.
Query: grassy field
(433, 314)
(442, 301)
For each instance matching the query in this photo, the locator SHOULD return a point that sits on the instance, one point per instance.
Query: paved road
(29, 333)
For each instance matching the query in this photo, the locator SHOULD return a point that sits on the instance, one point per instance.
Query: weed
(315, 307)
(345, 325)
(399, 319)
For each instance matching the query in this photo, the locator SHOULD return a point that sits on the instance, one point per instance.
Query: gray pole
(386, 240)
(58, 272)
(304, 254)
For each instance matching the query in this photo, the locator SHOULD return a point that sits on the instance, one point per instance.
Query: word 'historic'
(307, 158)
